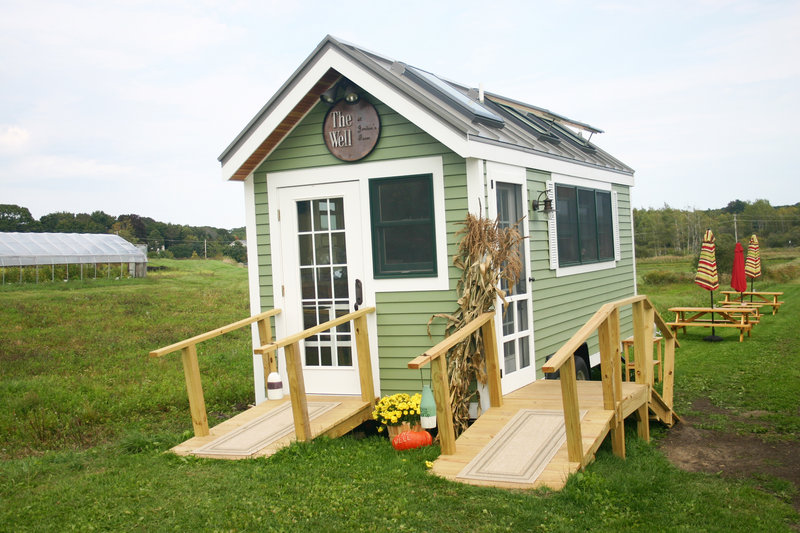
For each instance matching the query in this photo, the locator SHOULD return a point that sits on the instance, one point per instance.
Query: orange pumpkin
(408, 440)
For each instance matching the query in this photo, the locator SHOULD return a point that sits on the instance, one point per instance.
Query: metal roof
(23, 249)
(495, 119)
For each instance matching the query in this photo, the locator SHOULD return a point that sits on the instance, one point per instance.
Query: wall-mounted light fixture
(344, 88)
(546, 206)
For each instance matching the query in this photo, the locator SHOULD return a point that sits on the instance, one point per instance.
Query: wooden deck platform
(350, 412)
(541, 394)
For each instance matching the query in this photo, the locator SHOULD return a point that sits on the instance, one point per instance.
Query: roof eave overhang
(331, 60)
(298, 96)
(491, 150)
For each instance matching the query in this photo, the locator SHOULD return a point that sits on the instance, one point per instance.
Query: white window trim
(363, 172)
(552, 230)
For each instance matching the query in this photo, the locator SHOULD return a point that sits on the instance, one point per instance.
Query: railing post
(297, 392)
(643, 362)
(492, 363)
(643, 317)
(364, 359)
(669, 370)
(608, 336)
(194, 389)
(444, 412)
(269, 360)
(572, 416)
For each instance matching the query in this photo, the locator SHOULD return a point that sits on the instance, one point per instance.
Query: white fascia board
(282, 109)
(509, 156)
(345, 66)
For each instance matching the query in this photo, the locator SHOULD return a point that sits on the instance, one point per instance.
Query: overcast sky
(124, 107)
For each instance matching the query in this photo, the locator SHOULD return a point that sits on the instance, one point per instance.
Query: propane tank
(274, 386)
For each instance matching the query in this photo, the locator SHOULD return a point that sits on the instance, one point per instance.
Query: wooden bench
(729, 317)
(764, 298)
(627, 344)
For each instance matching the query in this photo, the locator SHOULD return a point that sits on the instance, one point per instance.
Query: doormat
(521, 450)
(261, 432)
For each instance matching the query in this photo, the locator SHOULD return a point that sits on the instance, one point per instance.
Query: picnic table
(764, 298)
(727, 317)
(755, 318)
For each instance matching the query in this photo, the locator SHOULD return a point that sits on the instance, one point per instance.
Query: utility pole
(735, 229)
(205, 247)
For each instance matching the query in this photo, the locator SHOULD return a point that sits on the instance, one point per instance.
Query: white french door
(322, 268)
(515, 321)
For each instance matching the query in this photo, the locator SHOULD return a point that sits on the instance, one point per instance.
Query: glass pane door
(515, 339)
(321, 261)
(323, 278)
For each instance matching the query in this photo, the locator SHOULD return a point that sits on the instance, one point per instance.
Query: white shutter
(552, 231)
(615, 222)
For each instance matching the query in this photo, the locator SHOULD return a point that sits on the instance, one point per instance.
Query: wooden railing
(606, 322)
(441, 386)
(294, 365)
(191, 368)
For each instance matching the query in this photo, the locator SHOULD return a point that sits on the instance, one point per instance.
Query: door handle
(359, 294)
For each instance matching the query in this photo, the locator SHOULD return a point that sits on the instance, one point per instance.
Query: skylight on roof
(445, 90)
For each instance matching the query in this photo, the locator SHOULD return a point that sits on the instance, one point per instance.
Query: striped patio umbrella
(752, 265)
(707, 275)
(707, 266)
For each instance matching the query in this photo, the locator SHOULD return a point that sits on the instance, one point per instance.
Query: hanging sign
(351, 131)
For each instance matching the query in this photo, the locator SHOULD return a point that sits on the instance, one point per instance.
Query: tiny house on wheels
(356, 176)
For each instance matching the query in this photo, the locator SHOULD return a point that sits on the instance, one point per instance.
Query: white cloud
(13, 139)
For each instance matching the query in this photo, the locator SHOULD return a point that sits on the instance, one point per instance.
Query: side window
(585, 225)
(402, 224)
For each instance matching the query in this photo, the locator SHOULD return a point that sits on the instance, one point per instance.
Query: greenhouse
(68, 256)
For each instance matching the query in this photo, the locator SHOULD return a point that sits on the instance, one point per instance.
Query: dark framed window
(402, 223)
(585, 225)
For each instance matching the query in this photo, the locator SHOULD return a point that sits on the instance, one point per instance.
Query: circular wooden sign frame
(351, 131)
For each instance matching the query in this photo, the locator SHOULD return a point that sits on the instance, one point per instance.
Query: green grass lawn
(87, 419)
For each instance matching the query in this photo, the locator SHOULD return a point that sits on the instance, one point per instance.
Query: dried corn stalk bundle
(486, 255)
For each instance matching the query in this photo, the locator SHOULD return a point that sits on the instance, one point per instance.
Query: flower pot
(399, 428)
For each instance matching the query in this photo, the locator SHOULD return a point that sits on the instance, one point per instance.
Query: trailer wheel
(581, 371)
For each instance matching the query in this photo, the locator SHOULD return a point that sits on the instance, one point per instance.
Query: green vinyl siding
(562, 305)
(401, 317)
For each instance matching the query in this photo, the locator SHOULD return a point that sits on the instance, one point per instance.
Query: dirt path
(733, 455)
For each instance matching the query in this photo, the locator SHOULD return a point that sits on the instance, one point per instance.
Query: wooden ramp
(540, 395)
(240, 437)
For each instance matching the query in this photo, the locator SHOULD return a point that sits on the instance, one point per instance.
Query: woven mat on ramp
(260, 432)
(522, 449)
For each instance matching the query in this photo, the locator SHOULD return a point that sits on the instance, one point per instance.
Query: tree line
(669, 231)
(162, 239)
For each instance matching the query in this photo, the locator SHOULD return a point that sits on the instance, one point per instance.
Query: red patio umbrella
(752, 267)
(707, 274)
(738, 277)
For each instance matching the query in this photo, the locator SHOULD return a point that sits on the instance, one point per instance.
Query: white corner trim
(259, 380)
(362, 173)
(475, 190)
